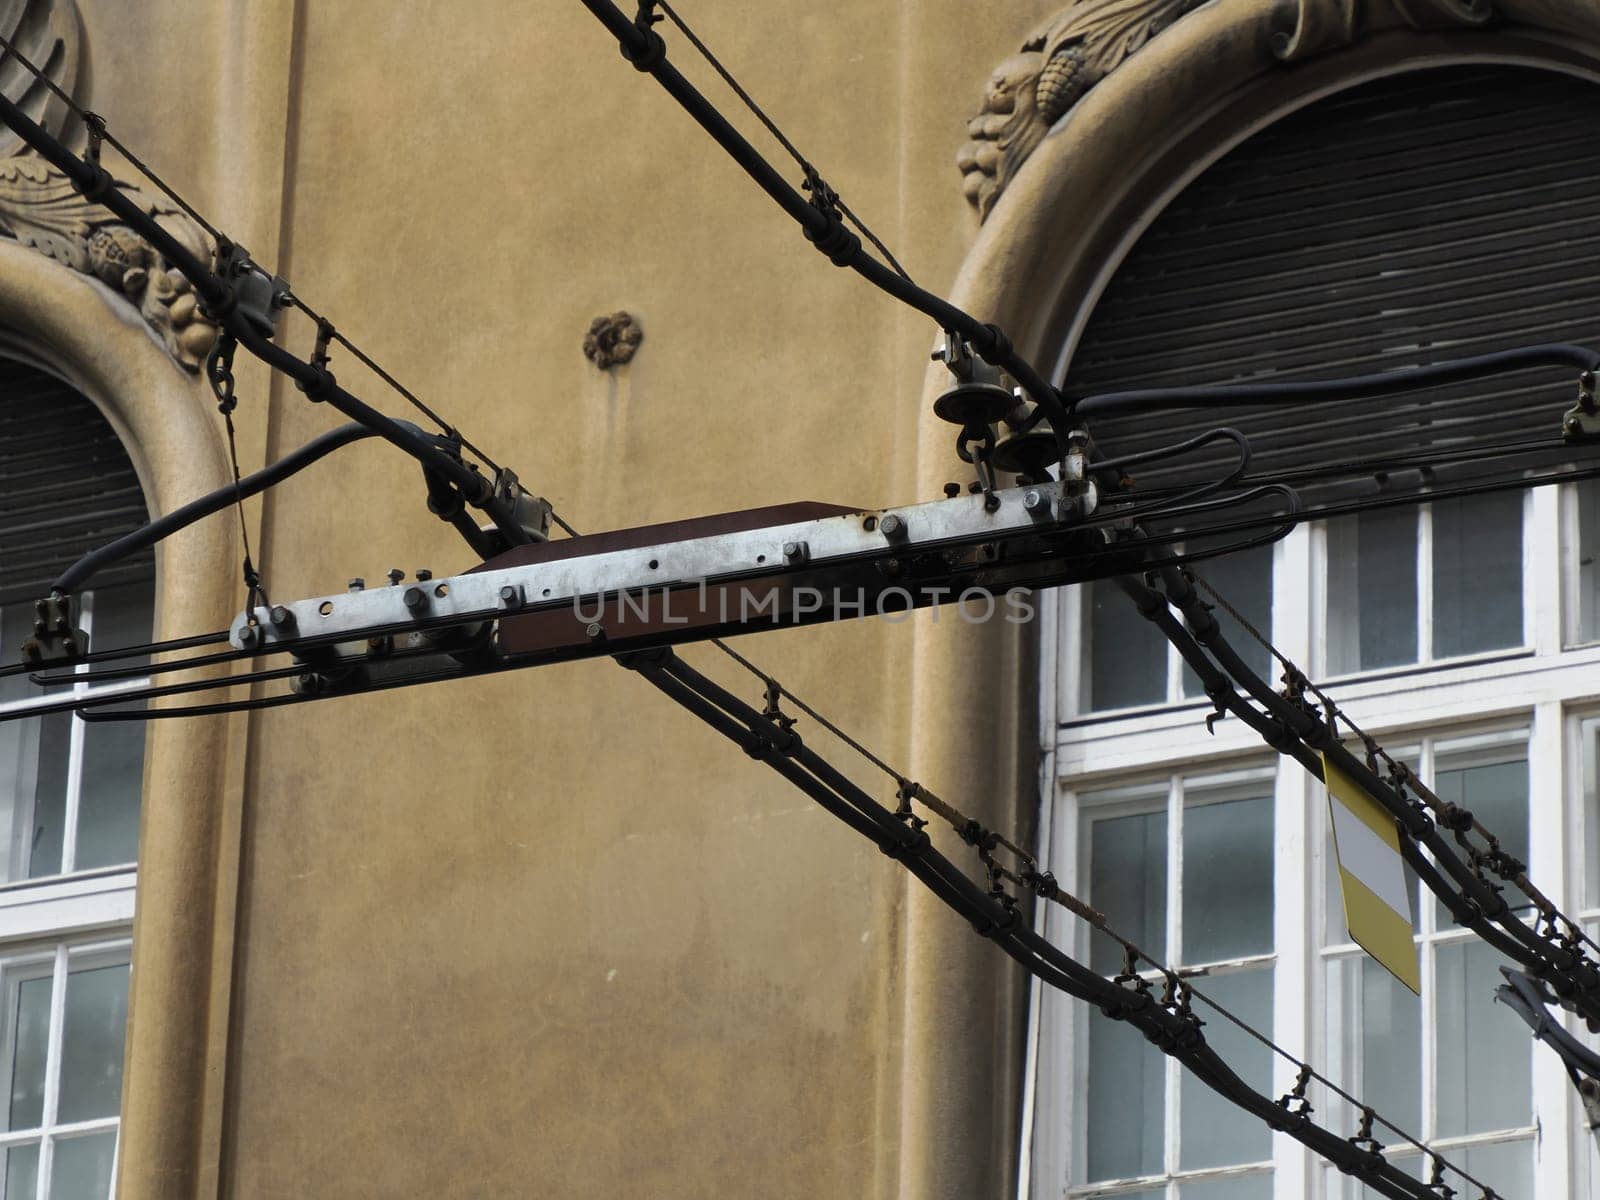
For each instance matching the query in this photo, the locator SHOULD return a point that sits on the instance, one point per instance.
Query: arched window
(69, 798)
(1431, 215)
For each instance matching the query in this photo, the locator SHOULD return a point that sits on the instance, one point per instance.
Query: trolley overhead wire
(1043, 883)
(98, 132)
(814, 180)
(1449, 815)
(769, 736)
(1294, 726)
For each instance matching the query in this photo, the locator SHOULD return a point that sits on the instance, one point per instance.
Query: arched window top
(69, 792)
(66, 487)
(1424, 217)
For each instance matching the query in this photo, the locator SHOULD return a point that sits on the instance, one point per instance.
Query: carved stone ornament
(1321, 25)
(47, 34)
(1034, 88)
(40, 208)
(1081, 45)
(612, 340)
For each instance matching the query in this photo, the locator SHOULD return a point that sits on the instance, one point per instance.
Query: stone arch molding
(1112, 106)
(1084, 43)
(40, 209)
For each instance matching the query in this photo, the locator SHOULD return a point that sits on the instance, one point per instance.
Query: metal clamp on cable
(1582, 421)
(56, 636)
(254, 294)
(838, 243)
(654, 50)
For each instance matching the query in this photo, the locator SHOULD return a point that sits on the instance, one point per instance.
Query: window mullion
(1429, 976)
(1542, 590)
(1550, 778)
(1424, 583)
(52, 1068)
(77, 730)
(1174, 1080)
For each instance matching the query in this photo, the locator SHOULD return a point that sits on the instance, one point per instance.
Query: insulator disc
(974, 404)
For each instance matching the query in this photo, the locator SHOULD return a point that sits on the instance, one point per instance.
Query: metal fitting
(415, 599)
(893, 527)
(796, 552)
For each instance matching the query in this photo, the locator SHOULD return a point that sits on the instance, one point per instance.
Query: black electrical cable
(182, 517)
(1473, 903)
(1174, 1030)
(644, 48)
(218, 298)
(1358, 387)
(804, 164)
(98, 131)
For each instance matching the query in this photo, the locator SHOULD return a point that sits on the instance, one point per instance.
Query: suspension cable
(99, 132)
(1451, 816)
(768, 735)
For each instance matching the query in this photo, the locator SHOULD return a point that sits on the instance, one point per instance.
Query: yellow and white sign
(1372, 877)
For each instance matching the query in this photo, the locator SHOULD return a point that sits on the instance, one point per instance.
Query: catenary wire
(1447, 813)
(714, 705)
(97, 127)
(810, 171)
(1299, 729)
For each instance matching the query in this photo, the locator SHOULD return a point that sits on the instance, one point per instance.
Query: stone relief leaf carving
(1321, 25)
(40, 208)
(1030, 91)
(47, 33)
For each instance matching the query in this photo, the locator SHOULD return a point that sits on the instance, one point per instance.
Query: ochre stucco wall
(545, 934)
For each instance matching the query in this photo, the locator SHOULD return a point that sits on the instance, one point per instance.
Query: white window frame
(1539, 687)
(56, 960)
(71, 900)
(75, 914)
(1231, 780)
(1426, 660)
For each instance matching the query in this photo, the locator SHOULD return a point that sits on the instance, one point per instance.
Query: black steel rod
(647, 52)
(1176, 1035)
(96, 184)
(75, 576)
(1356, 387)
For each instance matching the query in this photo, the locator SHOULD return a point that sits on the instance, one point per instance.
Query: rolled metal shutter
(1430, 216)
(66, 485)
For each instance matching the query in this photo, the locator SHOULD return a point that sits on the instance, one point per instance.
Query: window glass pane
(92, 1041)
(33, 769)
(1245, 581)
(1588, 494)
(1477, 574)
(1124, 656)
(1497, 795)
(1214, 1133)
(113, 752)
(1507, 1167)
(1127, 1093)
(1484, 1072)
(1343, 1187)
(108, 805)
(1375, 1042)
(29, 1030)
(1236, 1187)
(1227, 879)
(41, 850)
(1128, 882)
(22, 1172)
(1372, 590)
(82, 1167)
